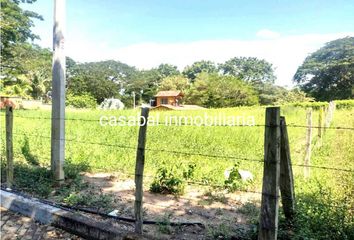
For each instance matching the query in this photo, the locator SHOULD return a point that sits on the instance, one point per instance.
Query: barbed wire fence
(272, 169)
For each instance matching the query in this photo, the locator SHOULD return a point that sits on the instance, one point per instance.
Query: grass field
(113, 149)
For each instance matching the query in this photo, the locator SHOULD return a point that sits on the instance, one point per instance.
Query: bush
(168, 181)
(234, 181)
(90, 199)
(347, 104)
(321, 213)
(73, 171)
(314, 105)
(81, 101)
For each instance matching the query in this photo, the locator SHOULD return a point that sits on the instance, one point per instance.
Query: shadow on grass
(38, 181)
(26, 151)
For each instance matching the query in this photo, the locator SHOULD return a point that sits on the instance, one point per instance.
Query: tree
(31, 65)
(22, 65)
(100, 79)
(270, 94)
(213, 90)
(249, 69)
(144, 84)
(15, 25)
(174, 83)
(328, 73)
(167, 70)
(191, 72)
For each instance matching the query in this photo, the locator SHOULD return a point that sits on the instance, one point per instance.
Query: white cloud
(267, 34)
(286, 53)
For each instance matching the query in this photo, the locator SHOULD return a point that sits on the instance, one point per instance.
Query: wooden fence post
(9, 147)
(268, 224)
(308, 143)
(329, 115)
(139, 171)
(286, 173)
(320, 124)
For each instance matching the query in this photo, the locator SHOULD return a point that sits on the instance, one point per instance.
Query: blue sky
(146, 33)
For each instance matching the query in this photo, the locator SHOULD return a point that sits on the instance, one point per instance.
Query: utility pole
(58, 93)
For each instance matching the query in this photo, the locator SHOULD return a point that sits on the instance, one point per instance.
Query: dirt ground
(16, 226)
(221, 213)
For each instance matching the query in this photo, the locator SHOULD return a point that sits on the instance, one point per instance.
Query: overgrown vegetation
(234, 181)
(81, 101)
(168, 181)
(173, 171)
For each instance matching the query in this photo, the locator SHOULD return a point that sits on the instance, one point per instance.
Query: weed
(189, 172)
(221, 231)
(90, 199)
(164, 224)
(168, 181)
(234, 181)
(26, 151)
(215, 197)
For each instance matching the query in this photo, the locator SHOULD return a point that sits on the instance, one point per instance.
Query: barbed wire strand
(196, 125)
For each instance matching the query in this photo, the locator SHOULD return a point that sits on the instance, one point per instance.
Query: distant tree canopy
(191, 72)
(249, 69)
(178, 82)
(26, 71)
(99, 79)
(328, 73)
(214, 90)
(167, 70)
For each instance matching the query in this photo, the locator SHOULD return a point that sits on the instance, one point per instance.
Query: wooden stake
(139, 171)
(268, 224)
(320, 124)
(308, 143)
(9, 147)
(286, 174)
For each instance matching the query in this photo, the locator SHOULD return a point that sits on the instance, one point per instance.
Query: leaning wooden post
(286, 174)
(268, 224)
(139, 171)
(9, 147)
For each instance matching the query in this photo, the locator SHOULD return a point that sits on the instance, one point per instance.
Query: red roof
(169, 94)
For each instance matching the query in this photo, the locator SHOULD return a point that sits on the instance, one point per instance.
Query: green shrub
(234, 181)
(168, 181)
(347, 104)
(73, 171)
(314, 105)
(321, 213)
(81, 101)
(189, 171)
(90, 199)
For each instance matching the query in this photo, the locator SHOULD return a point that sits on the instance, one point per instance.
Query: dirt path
(198, 204)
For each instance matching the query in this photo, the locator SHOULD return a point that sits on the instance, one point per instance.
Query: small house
(172, 98)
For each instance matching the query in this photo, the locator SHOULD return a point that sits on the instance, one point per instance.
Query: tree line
(326, 74)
